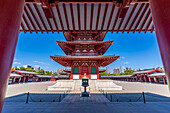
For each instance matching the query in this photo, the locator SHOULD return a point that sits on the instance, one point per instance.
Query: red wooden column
(164, 80)
(24, 78)
(150, 80)
(160, 10)
(137, 78)
(10, 20)
(12, 80)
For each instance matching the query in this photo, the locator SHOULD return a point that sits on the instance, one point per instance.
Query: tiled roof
(120, 76)
(45, 76)
(15, 75)
(156, 74)
(27, 72)
(69, 56)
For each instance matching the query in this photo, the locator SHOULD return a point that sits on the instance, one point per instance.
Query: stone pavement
(93, 98)
(157, 102)
(54, 107)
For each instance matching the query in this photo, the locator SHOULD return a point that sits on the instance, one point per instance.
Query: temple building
(84, 54)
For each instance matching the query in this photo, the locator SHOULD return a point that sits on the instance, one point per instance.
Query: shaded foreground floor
(96, 103)
(55, 107)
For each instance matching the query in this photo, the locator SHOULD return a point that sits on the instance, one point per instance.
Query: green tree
(122, 73)
(68, 74)
(41, 72)
(47, 73)
(103, 74)
(128, 72)
(28, 69)
(15, 68)
(22, 68)
(54, 74)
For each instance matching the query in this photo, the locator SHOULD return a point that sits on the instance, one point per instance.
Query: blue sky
(135, 50)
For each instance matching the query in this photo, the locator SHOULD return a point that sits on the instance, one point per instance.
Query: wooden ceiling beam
(121, 21)
(31, 22)
(141, 18)
(104, 16)
(143, 23)
(78, 10)
(91, 21)
(98, 15)
(66, 17)
(29, 8)
(110, 18)
(55, 23)
(26, 23)
(150, 21)
(35, 6)
(152, 29)
(122, 12)
(72, 16)
(23, 27)
(134, 19)
(85, 15)
(130, 16)
(48, 22)
(115, 21)
(59, 16)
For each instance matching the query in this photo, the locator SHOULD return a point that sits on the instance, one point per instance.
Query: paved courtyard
(157, 99)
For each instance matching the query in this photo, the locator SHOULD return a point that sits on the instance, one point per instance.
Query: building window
(93, 69)
(76, 69)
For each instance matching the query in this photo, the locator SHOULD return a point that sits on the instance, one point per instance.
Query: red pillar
(160, 10)
(137, 78)
(12, 80)
(150, 80)
(27, 78)
(157, 80)
(17, 80)
(24, 78)
(141, 79)
(10, 19)
(144, 78)
(164, 80)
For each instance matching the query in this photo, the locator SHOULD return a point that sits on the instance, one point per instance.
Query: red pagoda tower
(84, 54)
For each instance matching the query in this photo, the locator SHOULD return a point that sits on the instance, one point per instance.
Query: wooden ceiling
(87, 15)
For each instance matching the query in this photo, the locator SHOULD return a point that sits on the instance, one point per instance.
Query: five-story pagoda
(84, 54)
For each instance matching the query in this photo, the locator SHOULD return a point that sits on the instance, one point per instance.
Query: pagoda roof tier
(93, 36)
(65, 46)
(103, 60)
(69, 70)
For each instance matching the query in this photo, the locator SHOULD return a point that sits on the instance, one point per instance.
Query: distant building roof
(86, 57)
(27, 72)
(64, 73)
(63, 76)
(120, 76)
(45, 76)
(156, 74)
(146, 71)
(15, 75)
